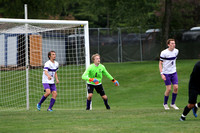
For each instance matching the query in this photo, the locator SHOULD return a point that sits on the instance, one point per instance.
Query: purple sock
(174, 97)
(88, 104)
(51, 103)
(42, 100)
(166, 99)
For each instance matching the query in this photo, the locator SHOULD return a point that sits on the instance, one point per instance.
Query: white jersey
(169, 60)
(51, 68)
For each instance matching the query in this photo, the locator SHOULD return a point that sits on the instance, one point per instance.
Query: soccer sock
(105, 102)
(88, 104)
(186, 111)
(51, 103)
(42, 100)
(174, 97)
(166, 99)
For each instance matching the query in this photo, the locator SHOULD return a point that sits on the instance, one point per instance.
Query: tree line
(169, 15)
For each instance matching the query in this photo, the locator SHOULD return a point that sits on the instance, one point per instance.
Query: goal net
(24, 47)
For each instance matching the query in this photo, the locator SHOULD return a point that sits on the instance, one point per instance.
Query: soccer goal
(24, 46)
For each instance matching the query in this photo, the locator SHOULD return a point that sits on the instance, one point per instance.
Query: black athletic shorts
(193, 96)
(99, 89)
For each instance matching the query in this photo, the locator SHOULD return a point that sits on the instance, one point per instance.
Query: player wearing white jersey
(167, 67)
(168, 59)
(49, 74)
(51, 69)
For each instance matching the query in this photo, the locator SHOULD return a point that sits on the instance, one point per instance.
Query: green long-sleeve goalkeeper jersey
(97, 72)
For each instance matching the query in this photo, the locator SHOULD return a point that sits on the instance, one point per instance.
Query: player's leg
(89, 99)
(54, 95)
(101, 91)
(174, 80)
(105, 99)
(90, 94)
(192, 100)
(166, 97)
(174, 94)
(194, 110)
(167, 91)
(186, 111)
(47, 93)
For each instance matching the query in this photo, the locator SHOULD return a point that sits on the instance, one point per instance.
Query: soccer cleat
(166, 106)
(174, 106)
(87, 108)
(107, 107)
(38, 107)
(50, 110)
(182, 118)
(195, 111)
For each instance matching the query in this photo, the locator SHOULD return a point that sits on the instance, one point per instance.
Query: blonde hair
(169, 40)
(93, 56)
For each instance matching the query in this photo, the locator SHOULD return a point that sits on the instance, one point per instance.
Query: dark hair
(169, 40)
(49, 54)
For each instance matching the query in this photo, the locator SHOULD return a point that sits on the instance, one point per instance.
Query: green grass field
(136, 106)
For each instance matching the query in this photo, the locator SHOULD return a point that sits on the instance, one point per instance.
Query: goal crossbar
(71, 22)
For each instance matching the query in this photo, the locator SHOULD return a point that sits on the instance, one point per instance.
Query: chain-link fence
(134, 44)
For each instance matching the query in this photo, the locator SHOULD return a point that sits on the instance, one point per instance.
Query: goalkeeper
(93, 76)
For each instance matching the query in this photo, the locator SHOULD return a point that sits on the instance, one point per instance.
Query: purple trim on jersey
(171, 78)
(171, 58)
(46, 68)
(51, 70)
(52, 87)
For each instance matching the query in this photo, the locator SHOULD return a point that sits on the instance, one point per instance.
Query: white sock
(196, 105)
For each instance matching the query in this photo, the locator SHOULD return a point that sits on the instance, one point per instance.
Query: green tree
(136, 13)
(184, 13)
(99, 13)
(166, 22)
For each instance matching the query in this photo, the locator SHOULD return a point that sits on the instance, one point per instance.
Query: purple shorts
(171, 78)
(52, 87)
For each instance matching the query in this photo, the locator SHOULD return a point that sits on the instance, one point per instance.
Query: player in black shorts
(194, 91)
(99, 89)
(93, 75)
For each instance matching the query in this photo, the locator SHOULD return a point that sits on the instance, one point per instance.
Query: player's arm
(160, 68)
(56, 76)
(86, 77)
(105, 72)
(47, 74)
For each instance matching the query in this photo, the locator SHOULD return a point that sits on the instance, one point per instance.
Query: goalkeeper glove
(94, 80)
(115, 82)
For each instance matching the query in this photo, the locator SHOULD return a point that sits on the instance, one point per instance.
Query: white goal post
(24, 45)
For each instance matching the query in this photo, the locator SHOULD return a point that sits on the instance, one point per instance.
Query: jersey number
(96, 75)
(52, 74)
